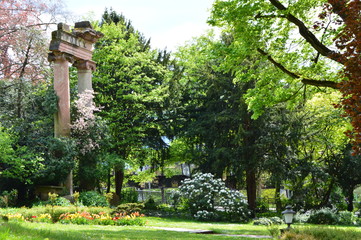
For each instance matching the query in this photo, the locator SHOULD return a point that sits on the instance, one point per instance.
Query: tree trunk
(327, 195)
(350, 199)
(108, 181)
(22, 194)
(119, 178)
(251, 189)
(278, 196)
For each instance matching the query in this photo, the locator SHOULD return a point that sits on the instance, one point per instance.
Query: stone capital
(60, 56)
(85, 65)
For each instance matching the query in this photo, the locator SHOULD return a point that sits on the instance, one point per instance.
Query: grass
(223, 228)
(46, 231)
(315, 232)
(37, 231)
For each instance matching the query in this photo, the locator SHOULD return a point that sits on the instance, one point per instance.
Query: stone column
(85, 69)
(62, 89)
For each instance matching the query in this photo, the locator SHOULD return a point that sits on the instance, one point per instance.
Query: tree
(298, 45)
(280, 135)
(88, 132)
(23, 44)
(213, 116)
(19, 166)
(320, 145)
(129, 86)
(346, 163)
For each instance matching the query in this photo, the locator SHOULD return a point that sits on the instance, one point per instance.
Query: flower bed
(86, 218)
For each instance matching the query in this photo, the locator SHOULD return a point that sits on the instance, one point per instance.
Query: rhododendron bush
(209, 199)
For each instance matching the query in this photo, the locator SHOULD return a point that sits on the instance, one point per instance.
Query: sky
(169, 23)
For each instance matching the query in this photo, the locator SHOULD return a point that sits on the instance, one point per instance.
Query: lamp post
(288, 216)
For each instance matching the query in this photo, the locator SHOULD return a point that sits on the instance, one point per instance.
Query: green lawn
(27, 231)
(224, 228)
(43, 231)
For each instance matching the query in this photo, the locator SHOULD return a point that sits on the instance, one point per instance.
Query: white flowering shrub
(205, 215)
(209, 199)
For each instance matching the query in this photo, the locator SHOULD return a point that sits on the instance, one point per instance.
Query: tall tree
(129, 86)
(213, 115)
(298, 45)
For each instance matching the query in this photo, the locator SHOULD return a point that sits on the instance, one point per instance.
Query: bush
(301, 217)
(268, 221)
(262, 221)
(150, 204)
(129, 208)
(8, 199)
(205, 215)
(129, 195)
(175, 198)
(345, 218)
(93, 199)
(323, 216)
(205, 195)
(59, 201)
(165, 207)
(262, 205)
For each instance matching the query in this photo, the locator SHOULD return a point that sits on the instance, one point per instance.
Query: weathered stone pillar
(62, 89)
(85, 69)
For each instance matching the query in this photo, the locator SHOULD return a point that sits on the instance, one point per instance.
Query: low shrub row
(65, 215)
(327, 216)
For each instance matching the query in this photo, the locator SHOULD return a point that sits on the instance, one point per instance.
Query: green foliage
(129, 83)
(129, 195)
(58, 201)
(8, 198)
(216, 129)
(150, 204)
(128, 208)
(345, 218)
(301, 217)
(323, 216)
(17, 162)
(262, 205)
(93, 199)
(253, 27)
(58, 160)
(50, 103)
(132, 84)
(268, 221)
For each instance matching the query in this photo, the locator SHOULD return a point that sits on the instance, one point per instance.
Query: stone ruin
(71, 46)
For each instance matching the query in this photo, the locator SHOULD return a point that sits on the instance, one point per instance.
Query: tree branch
(339, 7)
(308, 35)
(12, 30)
(269, 16)
(307, 81)
(8, 86)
